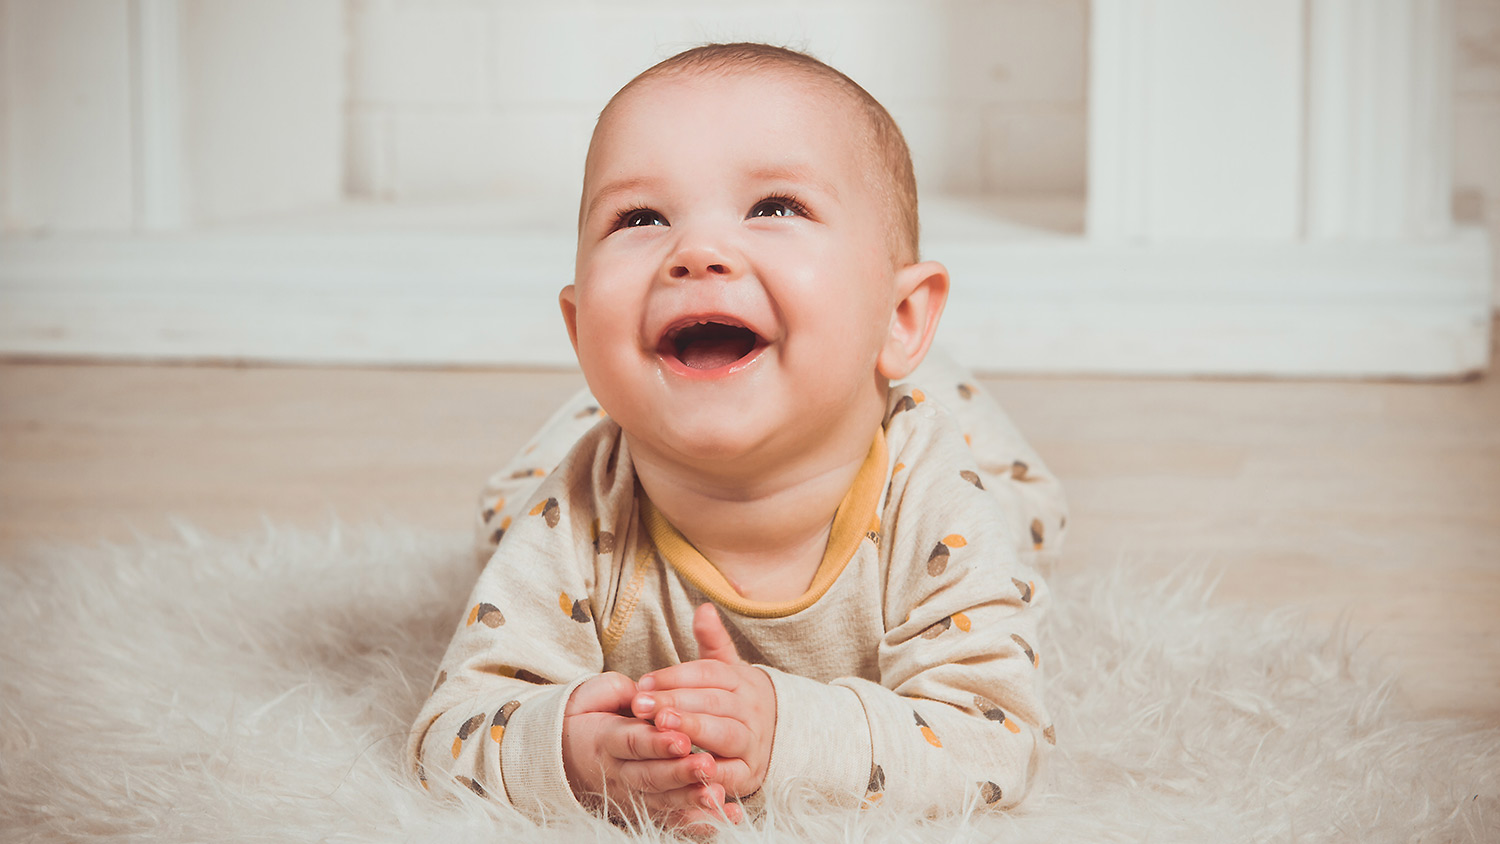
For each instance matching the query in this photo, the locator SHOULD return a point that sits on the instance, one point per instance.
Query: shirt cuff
(531, 757)
(822, 738)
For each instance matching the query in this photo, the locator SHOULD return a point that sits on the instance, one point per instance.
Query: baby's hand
(725, 705)
(607, 752)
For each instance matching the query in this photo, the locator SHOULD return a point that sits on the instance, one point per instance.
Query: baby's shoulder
(583, 496)
(921, 431)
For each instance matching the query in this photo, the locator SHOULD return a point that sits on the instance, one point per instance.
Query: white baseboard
(1041, 304)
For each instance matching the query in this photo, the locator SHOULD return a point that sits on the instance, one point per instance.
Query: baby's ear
(568, 301)
(921, 292)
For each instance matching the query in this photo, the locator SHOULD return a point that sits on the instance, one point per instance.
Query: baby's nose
(682, 271)
(701, 262)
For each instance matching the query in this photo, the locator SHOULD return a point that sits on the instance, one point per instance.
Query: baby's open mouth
(709, 344)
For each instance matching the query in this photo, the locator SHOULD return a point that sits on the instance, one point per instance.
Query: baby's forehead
(789, 83)
(856, 137)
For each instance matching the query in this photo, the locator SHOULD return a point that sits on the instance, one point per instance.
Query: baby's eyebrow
(797, 174)
(612, 189)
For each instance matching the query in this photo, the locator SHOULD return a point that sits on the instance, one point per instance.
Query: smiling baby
(745, 542)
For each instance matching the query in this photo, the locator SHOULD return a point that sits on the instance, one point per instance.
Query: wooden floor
(1379, 499)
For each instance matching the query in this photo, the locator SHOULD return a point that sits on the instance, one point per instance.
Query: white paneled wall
(395, 181)
(68, 124)
(1476, 121)
(492, 97)
(162, 114)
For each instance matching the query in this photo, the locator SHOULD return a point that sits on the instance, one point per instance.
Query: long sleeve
(508, 490)
(526, 639)
(1014, 474)
(956, 711)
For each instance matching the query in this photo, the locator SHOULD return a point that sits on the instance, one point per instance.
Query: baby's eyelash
(787, 199)
(619, 220)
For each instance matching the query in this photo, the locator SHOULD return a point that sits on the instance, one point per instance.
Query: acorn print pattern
(527, 473)
(972, 477)
(1018, 471)
(995, 713)
(465, 731)
(604, 541)
(937, 561)
(907, 402)
(471, 785)
(876, 789)
(490, 511)
(548, 510)
(1026, 649)
(1050, 734)
(891, 489)
(1026, 589)
(591, 410)
(937, 629)
(497, 726)
(873, 534)
(499, 533)
(1036, 534)
(990, 793)
(967, 391)
(578, 610)
(487, 614)
(927, 732)
(523, 675)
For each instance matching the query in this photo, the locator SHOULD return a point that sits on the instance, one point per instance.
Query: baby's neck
(765, 534)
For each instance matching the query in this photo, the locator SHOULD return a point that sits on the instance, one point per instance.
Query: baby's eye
(778, 206)
(640, 217)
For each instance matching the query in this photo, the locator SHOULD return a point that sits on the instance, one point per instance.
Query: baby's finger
(718, 735)
(695, 809)
(659, 776)
(607, 692)
(698, 674)
(709, 701)
(713, 640)
(639, 740)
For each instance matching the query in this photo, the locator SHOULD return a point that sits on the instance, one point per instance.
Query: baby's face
(735, 280)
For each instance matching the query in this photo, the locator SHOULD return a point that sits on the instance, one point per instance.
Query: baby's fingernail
(708, 802)
(679, 748)
(646, 683)
(645, 703)
(668, 720)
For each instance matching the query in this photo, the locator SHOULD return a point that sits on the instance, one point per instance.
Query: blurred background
(1247, 187)
(269, 264)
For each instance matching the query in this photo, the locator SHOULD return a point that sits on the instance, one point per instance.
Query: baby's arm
(1011, 470)
(935, 741)
(957, 711)
(725, 704)
(607, 751)
(505, 492)
(521, 713)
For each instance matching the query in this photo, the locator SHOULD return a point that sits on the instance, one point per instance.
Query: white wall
(1476, 118)
(498, 97)
(231, 120)
(251, 122)
(68, 127)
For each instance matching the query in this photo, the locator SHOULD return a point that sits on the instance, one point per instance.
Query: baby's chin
(724, 447)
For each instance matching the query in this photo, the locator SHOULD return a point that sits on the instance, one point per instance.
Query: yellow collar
(852, 522)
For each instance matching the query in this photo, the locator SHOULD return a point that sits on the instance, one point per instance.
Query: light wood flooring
(1381, 500)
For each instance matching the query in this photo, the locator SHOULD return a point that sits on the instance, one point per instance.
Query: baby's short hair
(883, 140)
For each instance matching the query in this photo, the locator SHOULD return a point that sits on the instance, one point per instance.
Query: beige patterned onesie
(908, 674)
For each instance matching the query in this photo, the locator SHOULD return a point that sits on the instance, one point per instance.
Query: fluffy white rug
(257, 690)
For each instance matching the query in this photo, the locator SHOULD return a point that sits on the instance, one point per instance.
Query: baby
(752, 545)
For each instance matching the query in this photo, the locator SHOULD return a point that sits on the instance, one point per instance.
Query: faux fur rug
(257, 690)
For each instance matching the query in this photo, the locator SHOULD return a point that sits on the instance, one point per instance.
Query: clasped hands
(632, 742)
